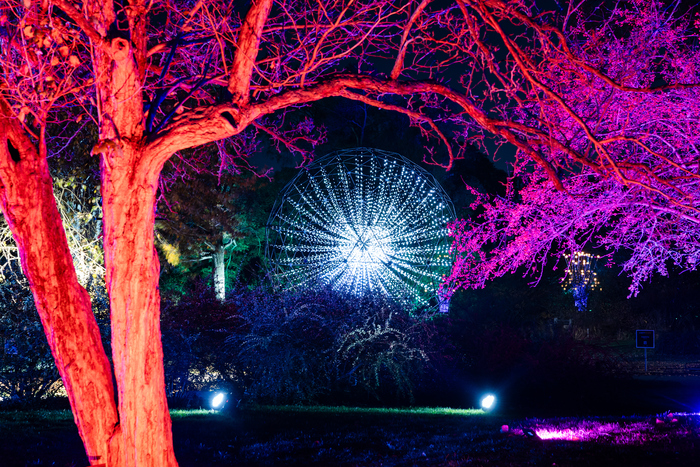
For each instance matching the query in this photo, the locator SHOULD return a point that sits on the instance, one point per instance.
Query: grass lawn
(341, 436)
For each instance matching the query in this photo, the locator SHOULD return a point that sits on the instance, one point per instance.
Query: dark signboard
(645, 339)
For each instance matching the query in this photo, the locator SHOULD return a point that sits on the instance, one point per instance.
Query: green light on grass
(371, 410)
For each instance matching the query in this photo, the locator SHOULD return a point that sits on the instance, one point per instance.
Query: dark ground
(264, 437)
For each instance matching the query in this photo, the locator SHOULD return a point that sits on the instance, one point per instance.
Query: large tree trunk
(29, 206)
(220, 271)
(128, 199)
(129, 182)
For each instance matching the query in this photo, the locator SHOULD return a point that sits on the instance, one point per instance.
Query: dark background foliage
(27, 371)
(28, 374)
(316, 346)
(299, 347)
(267, 346)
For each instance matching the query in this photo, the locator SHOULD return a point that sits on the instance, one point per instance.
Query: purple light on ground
(631, 431)
(570, 435)
(587, 430)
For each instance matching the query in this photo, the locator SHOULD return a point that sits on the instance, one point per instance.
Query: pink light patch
(569, 435)
(586, 430)
(633, 431)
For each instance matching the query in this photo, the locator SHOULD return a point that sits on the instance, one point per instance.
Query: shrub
(678, 342)
(539, 371)
(27, 369)
(381, 355)
(312, 346)
(193, 332)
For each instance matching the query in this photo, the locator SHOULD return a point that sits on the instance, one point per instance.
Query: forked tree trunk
(132, 267)
(220, 271)
(143, 435)
(29, 206)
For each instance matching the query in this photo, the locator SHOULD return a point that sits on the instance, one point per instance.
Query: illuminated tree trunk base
(132, 267)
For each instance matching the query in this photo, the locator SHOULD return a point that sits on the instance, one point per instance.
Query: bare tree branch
(248, 45)
(398, 65)
(76, 15)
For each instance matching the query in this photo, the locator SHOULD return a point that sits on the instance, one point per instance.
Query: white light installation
(363, 220)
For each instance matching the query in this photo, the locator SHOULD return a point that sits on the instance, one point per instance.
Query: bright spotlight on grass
(488, 402)
(218, 401)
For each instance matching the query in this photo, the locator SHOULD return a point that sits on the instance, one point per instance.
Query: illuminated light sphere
(218, 400)
(363, 221)
(488, 402)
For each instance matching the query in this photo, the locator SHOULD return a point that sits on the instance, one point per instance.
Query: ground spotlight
(488, 402)
(218, 401)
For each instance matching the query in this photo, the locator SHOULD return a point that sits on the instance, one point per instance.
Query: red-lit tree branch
(248, 44)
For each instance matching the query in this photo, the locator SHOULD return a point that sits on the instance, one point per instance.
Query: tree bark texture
(129, 186)
(29, 206)
(220, 271)
(129, 182)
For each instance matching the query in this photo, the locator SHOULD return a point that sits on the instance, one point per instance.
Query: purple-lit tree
(617, 107)
(609, 122)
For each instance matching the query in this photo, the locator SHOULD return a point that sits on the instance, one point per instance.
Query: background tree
(27, 371)
(78, 200)
(202, 215)
(161, 77)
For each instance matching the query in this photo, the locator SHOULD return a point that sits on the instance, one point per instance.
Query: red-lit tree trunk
(129, 182)
(29, 206)
(129, 192)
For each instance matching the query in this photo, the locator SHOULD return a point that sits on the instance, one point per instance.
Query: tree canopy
(617, 96)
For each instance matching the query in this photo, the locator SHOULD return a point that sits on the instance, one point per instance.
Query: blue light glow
(218, 400)
(488, 402)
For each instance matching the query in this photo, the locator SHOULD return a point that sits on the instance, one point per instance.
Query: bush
(193, 332)
(685, 342)
(313, 346)
(284, 348)
(27, 369)
(539, 371)
(567, 373)
(381, 355)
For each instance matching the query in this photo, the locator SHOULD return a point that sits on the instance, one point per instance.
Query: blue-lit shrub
(321, 346)
(27, 370)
